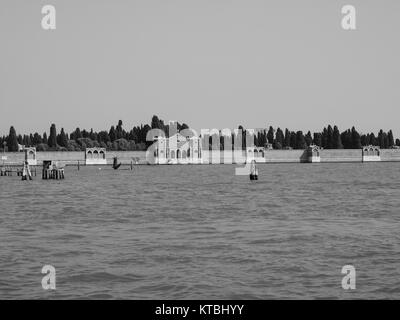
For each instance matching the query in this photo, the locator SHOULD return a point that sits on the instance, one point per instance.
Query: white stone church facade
(177, 149)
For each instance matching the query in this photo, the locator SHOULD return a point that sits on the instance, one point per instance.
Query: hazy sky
(209, 63)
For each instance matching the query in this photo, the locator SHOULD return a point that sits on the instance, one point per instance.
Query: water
(200, 232)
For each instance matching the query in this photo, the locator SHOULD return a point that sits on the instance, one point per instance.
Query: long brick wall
(72, 157)
(272, 156)
(342, 155)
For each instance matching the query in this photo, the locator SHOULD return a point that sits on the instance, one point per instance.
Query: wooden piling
(53, 174)
(51, 171)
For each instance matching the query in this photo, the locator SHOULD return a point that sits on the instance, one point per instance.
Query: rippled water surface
(199, 232)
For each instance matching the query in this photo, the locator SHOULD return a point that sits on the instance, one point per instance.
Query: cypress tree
(364, 139)
(347, 139)
(337, 141)
(308, 138)
(385, 141)
(77, 134)
(112, 134)
(262, 138)
(330, 143)
(155, 122)
(62, 139)
(37, 139)
(293, 142)
(52, 142)
(270, 135)
(26, 141)
(279, 138)
(372, 139)
(318, 139)
(286, 143)
(119, 130)
(381, 139)
(356, 139)
(300, 140)
(324, 138)
(368, 140)
(12, 142)
(390, 139)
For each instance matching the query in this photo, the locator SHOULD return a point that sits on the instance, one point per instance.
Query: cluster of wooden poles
(55, 174)
(26, 173)
(9, 171)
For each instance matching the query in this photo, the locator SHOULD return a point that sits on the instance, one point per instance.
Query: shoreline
(136, 158)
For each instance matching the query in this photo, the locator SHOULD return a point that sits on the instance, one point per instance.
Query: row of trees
(329, 138)
(117, 138)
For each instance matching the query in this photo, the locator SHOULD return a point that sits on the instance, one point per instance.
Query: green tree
(364, 139)
(293, 142)
(347, 139)
(337, 141)
(318, 139)
(381, 139)
(270, 135)
(372, 139)
(45, 139)
(155, 122)
(308, 138)
(112, 134)
(286, 142)
(330, 144)
(119, 131)
(12, 142)
(390, 139)
(356, 139)
(279, 139)
(37, 139)
(52, 142)
(324, 138)
(62, 139)
(300, 140)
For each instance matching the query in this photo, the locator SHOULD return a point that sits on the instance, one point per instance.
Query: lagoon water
(200, 232)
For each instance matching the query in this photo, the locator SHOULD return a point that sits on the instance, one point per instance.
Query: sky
(208, 63)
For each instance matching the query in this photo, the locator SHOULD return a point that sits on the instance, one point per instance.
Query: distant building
(371, 153)
(313, 153)
(177, 149)
(95, 156)
(269, 146)
(255, 153)
(30, 156)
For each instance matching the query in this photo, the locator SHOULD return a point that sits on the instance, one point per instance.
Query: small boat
(116, 165)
